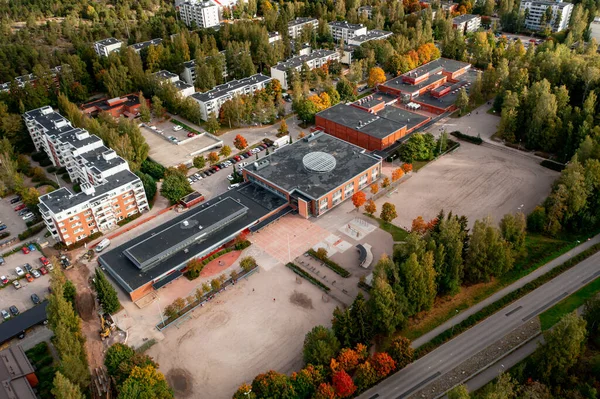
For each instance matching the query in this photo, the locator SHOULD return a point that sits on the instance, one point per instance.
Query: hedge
(472, 139)
(61, 171)
(38, 156)
(33, 221)
(128, 219)
(194, 273)
(552, 165)
(31, 231)
(240, 246)
(51, 169)
(330, 264)
(45, 162)
(4, 234)
(499, 304)
(302, 273)
(47, 182)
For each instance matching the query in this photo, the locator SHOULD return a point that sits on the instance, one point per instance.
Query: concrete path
(505, 291)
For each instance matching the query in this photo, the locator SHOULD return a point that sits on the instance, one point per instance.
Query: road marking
(374, 396)
(514, 310)
(546, 306)
(419, 385)
(590, 278)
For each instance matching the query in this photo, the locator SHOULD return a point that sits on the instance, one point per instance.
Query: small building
(316, 59)
(296, 26)
(536, 11)
(184, 89)
(127, 105)
(211, 101)
(106, 46)
(595, 29)
(466, 23)
(204, 14)
(188, 74)
(274, 37)
(343, 30)
(17, 375)
(191, 199)
(316, 173)
(21, 81)
(366, 11)
(138, 47)
(370, 35)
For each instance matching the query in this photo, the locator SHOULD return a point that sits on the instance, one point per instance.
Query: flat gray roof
(445, 63)
(14, 367)
(372, 35)
(361, 120)
(143, 45)
(301, 20)
(286, 168)
(226, 88)
(464, 18)
(297, 61)
(108, 41)
(346, 25)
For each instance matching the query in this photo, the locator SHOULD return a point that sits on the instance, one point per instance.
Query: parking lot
(15, 223)
(21, 298)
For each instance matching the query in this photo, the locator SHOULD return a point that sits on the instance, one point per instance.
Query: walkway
(505, 291)
(219, 265)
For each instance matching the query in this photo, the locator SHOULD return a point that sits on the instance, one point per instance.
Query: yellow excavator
(107, 326)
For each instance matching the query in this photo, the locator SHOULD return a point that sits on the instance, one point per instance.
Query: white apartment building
(535, 10)
(30, 78)
(370, 35)
(211, 101)
(316, 59)
(366, 11)
(466, 23)
(188, 75)
(138, 47)
(184, 89)
(110, 192)
(274, 37)
(204, 13)
(296, 26)
(345, 30)
(106, 46)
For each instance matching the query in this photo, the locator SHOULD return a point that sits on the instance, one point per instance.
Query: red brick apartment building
(128, 106)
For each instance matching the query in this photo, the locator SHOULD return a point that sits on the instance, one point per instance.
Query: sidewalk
(505, 291)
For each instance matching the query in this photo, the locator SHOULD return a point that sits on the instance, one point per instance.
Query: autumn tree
(407, 167)
(347, 359)
(419, 225)
(383, 364)
(401, 351)
(374, 188)
(320, 346)
(370, 207)
(272, 385)
(145, 382)
(306, 381)
(325, 391)
(144, 110)
(65, 389)
(376, 76)
(244, 392)
(343, 384)
(397, 174)
(385, 182)
(283, 128)
(388, 212)
(213, 157)
(366, 375)
(358, 199)
(240, 142)
(248, 263)
(225, 151)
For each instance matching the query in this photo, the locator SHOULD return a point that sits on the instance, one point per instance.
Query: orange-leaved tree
(374, 188)
(385, 182)
(397, 174)
(419, 225)
(325, 391)
(213, 158)
(343, 384)
(401, 351)
(376, 76)
(407, 167)
(383, 364)
(358, 199)
(370, 207)
(348, 359)
(240, 142)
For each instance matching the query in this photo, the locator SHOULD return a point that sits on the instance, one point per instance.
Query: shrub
(241, 245)
(66, 178)
(77, 188)
(472, 139)
(552, 165)
(248, 263)
(62, 170)
(321, 254)
(307, 276)
(31, 231)
(51, 169)
(45, 162)
(4, 234)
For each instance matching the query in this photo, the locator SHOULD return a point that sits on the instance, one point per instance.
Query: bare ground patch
(181, 381)
(302, 300)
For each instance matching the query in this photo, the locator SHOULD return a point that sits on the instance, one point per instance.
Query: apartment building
(370, 35)
(345, 30)
(106, 46)
(296, 26)
(366, 11)
(188, 75)
(466, 23)
(184, 89)
(315, 59)
(138, 47)
(211, 101)
(21, 81)
(204, 14)
(110, 192)
(535, 14)
(274, 37)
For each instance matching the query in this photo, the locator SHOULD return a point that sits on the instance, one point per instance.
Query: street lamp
(162, 317)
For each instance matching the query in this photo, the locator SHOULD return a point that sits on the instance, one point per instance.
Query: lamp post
(162, 317)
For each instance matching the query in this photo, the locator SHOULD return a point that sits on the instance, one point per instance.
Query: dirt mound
(181, 382)
(85, 305)
(302, 300)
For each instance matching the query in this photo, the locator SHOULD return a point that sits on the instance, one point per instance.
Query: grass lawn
(398, 233)
(539, 250)
(418, 165)
(553, 315)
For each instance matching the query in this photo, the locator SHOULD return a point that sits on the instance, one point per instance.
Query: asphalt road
(430, 367)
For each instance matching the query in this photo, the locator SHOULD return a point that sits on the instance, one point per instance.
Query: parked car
(35, 299)
(15, 200)
(3, 227)
(27, 267)
(233, 186)
(16, 284)
(2, 261)
(32, 247)
(230, 177)
(36, 274)
(64, 261)
(177, 128)
(20, 207)
(44, 261)
(50, 267)
(28, 215)
(25, 250)
(19, 271)
(216, 168)
(4, 279)
(13, 309)
(24, 211)
(191, 134)
(5, 314)
(43, 271)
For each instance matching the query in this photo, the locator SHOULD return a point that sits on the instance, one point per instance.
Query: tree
(462, 100)
(283, 128)
(459, 392)
(418, 281)
(358, 199)
(383, 364)
(225, 151)
(325, 391)
(513, 231)
(386, 307)
(374, 188)
(212, 123)
(116, 355)
(385, 182)
(407, 167)
(306, 381)
(366, 375)
(149, 184)
(419, 147)
(248, 263)
(145, 382)
(320, 346)
(107, 295)
(346, 89)
(343, 384)
(564, 345)
(145, 115)
(591, 314)
(157, 108)
(397, 174)
(70, 293)
(65, 389)
(401, 351)
(347, 360)
(175, 186)
(376, 76)
(244, 392)
(489, 254)
(240, 142)
(213, 158)
(388, 212)
(199, 162)
(272, 385)
(370, 207)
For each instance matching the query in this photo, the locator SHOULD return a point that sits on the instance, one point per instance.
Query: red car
(216, 168)
(29, 277)
(44, 261)
(190, 134)
(249, 153)
(237, 158)
(25, 250)
(43, 270)
(20, 207)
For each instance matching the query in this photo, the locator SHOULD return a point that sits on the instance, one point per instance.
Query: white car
(28, 216)
(227, 164)
(19, 271)
(5, 314)
(236, 185)
(36, 274)
(230, 177)
(177, 128)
